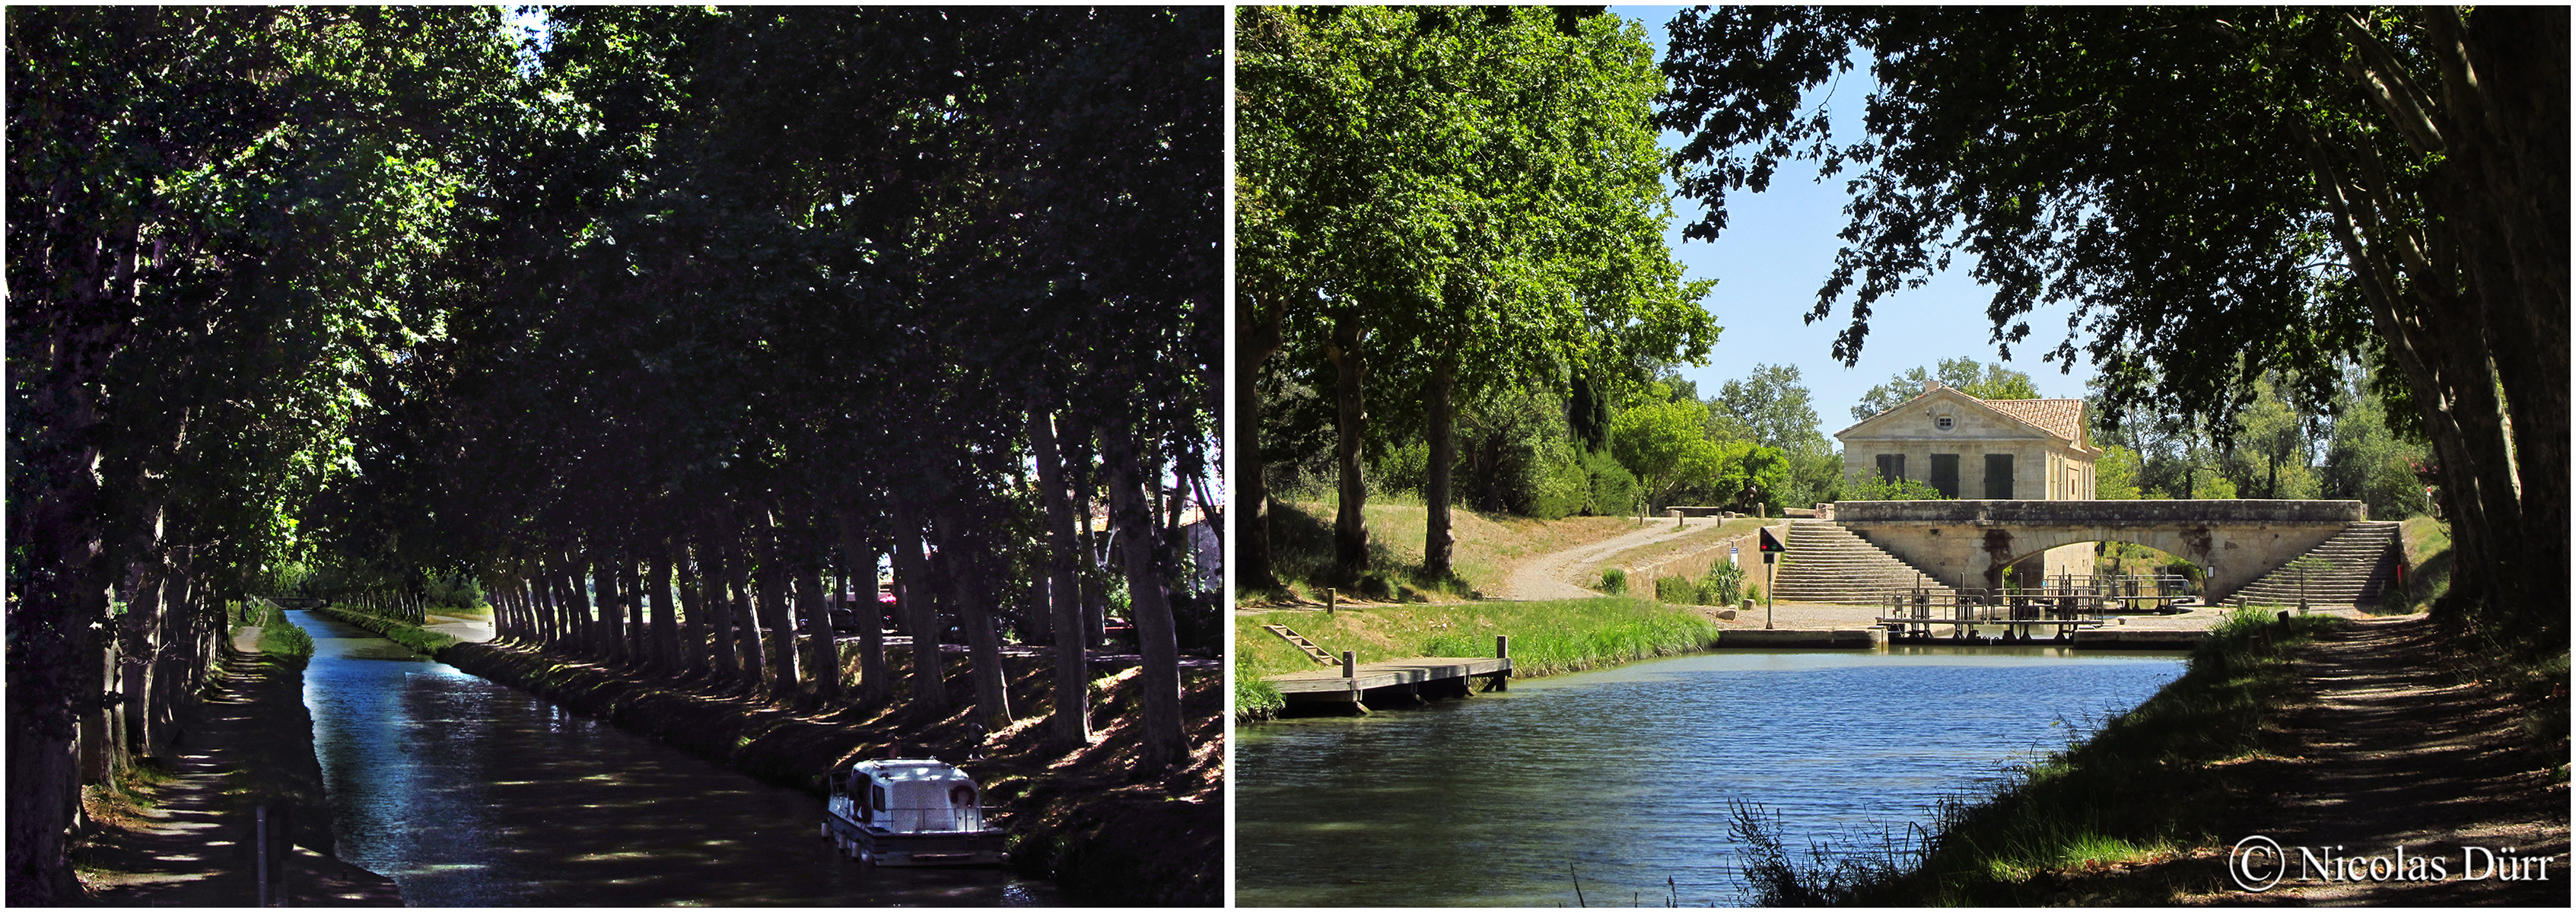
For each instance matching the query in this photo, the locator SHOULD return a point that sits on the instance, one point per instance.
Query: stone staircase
(2362, 561)
(1829, 564)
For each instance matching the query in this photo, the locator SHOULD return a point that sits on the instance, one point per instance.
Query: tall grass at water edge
(2151, 781)
(1547, 638)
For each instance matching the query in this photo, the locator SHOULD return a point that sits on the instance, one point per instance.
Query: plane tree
(1438, 201)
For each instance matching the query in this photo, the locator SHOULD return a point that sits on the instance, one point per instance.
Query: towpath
(186, 844)
(1553, 575)
(2398, 750)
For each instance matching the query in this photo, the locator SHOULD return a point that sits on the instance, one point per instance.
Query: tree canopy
(1434, 201)
(651, 332)
(2218, 195)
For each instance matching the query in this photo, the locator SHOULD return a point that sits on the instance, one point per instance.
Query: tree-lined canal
(1623, 777)
(468, 793)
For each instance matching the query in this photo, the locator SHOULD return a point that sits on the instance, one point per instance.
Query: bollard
(1328, 600)
(1502, 650)
(1350, 664)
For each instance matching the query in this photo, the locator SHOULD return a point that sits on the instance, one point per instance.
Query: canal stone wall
(1969, 543)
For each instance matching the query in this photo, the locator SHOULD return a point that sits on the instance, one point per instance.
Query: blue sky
(1777, 250)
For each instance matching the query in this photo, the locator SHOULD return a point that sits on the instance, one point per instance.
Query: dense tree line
(1438, 206)
(667, 330)
(2221, 195)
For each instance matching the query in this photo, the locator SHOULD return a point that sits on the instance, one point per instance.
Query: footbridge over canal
(1969, 543)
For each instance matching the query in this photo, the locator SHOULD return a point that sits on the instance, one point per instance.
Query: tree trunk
(747, 639)
(823, 650)
(769, 586)
(1436, 540)
(920, 619)
(875, 688)
(1259, 337)
(665, 651)
(695, 640)
(1350, 428)
(1071, 723)
(716, 579)
(630, 586)
(963, 549)
(1158, 675)
(1076, 444)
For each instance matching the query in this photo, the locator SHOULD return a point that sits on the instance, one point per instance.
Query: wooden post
(1502, 650)
(1328, 600)
(1350, 664)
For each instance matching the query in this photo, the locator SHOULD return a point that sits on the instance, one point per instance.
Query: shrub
(1876, 489)
(1725, 583)
(1614, 581)
(1376, 586)
(1613, 488)
(1676, 591)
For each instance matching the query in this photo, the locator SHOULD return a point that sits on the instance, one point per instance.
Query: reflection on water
(468, 793)
(1622, 777)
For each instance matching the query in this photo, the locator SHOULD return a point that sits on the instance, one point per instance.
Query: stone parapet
(2112, 514)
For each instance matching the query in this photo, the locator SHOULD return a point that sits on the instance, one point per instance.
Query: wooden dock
(1404, 680)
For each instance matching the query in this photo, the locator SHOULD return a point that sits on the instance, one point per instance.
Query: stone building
(1995, 449)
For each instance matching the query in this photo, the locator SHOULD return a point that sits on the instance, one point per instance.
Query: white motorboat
(910, 812)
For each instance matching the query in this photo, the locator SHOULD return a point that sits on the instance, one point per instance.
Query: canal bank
(180, 831)
(2347, 737)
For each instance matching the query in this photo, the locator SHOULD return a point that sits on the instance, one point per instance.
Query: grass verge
(401, 632)
(1487, 547)
(2151, 782)
(1548, 638)
(280, 636)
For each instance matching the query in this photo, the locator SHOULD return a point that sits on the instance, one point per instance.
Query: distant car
(1119, 631)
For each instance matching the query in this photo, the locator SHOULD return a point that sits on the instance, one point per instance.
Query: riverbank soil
(178, 833)
(2384, 744)
(1083, 816)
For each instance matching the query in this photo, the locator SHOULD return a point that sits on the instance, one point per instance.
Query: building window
(1999, 476)
(1942, 423)
(1891, 467)
(1945, 474)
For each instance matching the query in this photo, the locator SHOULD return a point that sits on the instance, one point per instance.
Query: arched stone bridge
(1969, 543)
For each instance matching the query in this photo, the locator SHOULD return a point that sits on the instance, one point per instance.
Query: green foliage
(1665, 444)
(1256, 699)
(1614, 491)
(1614, 581)
(1676, 590)
(1724, 584)
(1773, 407)
(2115, 474)
(1880, 489)
(280, 636)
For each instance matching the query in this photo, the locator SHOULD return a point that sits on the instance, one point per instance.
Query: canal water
(1623, 778)
(470, 794)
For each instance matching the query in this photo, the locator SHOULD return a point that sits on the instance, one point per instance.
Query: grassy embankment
(278, 636)
(401, 632)
(2152, 782)
(1548, 638)
(1486, 548)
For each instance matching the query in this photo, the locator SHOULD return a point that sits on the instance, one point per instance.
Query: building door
(1945, 474)
(1891, 466)
(1999, 476)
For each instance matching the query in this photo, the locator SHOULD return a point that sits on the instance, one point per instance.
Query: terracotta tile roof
(2061, 417)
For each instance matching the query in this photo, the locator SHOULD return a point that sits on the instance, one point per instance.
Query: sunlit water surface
(1622, 778)
(468, 793)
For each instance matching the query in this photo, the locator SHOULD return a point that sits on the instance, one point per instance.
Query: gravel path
(1554, 575)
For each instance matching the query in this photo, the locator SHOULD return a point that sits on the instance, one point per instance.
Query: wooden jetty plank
(2060, 622)
(1388, 674)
